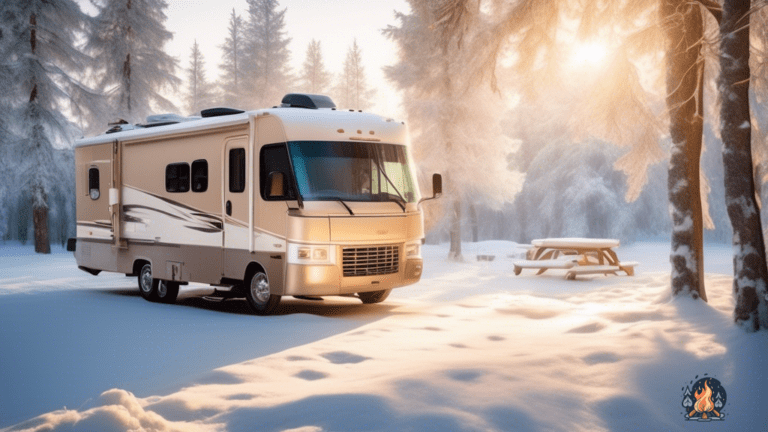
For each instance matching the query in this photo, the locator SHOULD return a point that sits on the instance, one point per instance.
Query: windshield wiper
(344, 204)
(332, 198)
(381, 170)
(395, 199)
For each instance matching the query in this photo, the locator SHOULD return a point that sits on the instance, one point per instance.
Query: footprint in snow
(311, 375)
(343, 357)
(465, 375)
(496, 338)
(601, 357)
(297, 358)
(588, 328)
(241, 396)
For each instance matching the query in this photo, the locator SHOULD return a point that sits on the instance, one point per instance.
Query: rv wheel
(259, 296)
(167, 291)
(147, 285)
(374, 296)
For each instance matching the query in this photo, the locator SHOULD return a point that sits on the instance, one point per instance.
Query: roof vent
(221, 111)
(165, 119)
(311, 101)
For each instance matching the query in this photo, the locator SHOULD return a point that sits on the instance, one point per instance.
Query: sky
(335, 23)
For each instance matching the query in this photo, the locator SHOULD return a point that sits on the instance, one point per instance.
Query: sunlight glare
(590, 53)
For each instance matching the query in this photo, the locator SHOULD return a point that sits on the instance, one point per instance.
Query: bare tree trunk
(750, 277)
(39, 205)
(455, 251)
(40, 220)
(683, 25)
(473, 222)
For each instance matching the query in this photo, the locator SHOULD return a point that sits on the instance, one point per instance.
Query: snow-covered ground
(471, 347)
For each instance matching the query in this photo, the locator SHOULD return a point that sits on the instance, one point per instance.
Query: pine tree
(7, 139)
(131, 67)
(353, 89)
(750, 281)
(453, 123)
(314, 77)
(233, 77)
(267, 53)
(199, 90)
(42, 56)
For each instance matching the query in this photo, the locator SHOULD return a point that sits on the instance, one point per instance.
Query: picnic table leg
(548, 254)
(613, 259)
(539, 252)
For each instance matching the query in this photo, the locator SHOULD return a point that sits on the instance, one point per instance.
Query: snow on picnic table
(471, 347)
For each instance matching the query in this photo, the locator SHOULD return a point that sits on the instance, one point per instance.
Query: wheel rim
(162, 289)
(260, 288)
(146, 279)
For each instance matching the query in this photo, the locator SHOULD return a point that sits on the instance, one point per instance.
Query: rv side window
(237, 170)
(93, 183)
(200, 175)
(177, 177)
(274, 158)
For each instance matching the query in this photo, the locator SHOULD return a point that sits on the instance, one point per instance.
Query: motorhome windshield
(352, 171)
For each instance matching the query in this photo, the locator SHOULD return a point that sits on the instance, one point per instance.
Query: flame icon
(704, 403)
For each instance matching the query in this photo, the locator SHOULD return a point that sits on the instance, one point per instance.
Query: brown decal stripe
(170, 201)
(201, 229)
(93, 225)
(130, 207)
(129, 218)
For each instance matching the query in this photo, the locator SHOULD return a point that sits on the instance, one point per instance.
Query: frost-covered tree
(454, 125)
(199, 91)
(267, 54)
(314, 76)
(617, 108)
(353, 88)
(750, 282)
(233, 77)
(7, 139)
(42, 56)
(131, 67)
(684, 30)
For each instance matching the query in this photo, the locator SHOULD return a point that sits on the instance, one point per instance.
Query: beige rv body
(188, 237)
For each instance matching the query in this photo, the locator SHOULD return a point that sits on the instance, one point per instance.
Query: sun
(588, 54)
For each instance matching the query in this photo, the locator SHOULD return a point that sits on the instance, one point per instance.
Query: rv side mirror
(437, 185)
(276, 185)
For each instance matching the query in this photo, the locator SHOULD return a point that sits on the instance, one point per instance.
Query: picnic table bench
(580, 256)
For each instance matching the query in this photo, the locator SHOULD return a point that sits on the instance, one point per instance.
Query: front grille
(371, 260)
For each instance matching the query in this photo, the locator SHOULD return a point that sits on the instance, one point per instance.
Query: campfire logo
(704, 400)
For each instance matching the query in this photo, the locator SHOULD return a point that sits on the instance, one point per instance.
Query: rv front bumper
(325, 280)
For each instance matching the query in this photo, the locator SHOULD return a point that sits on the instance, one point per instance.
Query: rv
(298, 200)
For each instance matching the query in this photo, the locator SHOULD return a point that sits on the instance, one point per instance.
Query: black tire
(258, 294)
(167, 291)
(374, 296)
(147, 284)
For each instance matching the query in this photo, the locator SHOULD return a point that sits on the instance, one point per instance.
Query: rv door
(235, 193)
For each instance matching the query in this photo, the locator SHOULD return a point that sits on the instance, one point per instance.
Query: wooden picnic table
(577, 255)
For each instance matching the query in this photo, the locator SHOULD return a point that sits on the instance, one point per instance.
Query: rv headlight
(412, 250)
(300, 254)
(320, 254)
